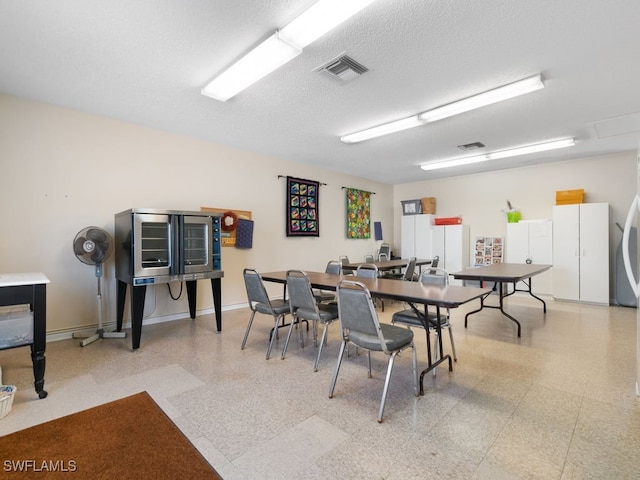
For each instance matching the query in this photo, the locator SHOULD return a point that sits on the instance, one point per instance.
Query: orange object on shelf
(569, 197)
(448, 221)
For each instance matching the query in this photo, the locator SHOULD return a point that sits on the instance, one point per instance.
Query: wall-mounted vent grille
(471, 146)
(343, 68)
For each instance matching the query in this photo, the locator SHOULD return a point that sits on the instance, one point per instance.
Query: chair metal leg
(369, 361)
(335, 374)
(273, 337)
(414, 355)
(286, 342)
(301, 333)
(322, 340)
(246, 334)
(453, 345)
(315, 333)
(392, 357)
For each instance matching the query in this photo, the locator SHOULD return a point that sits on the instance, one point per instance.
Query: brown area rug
(128, 438)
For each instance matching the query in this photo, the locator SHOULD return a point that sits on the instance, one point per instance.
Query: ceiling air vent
(471, 146)
(343, 68)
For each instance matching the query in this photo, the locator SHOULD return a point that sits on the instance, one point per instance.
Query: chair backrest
(385, 250)
(344, 260)
(367, 270)
(435, 276)
(256, 291)
(300, 293)
(409, 269)
(333, 267)
(369, 259)
(357, 313)
(434, 262)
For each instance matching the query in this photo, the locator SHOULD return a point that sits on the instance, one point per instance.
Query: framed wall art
(302, 208)
(358, 213)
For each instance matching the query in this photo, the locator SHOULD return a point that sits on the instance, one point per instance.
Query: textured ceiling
(145, 62)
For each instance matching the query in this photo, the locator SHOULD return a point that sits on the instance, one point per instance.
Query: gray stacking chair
(259, 302)
(369, 259)
(334, 268)
(344, 260)
(409, 271)
(303, 306)
(360, 326)
(408, 317)
(367, 270)
(407, 274)
(385, 252)
(370, 270)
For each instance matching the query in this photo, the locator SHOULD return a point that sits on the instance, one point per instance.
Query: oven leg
(192, 289)
(216, 286)
(122, 295)
(137, 310)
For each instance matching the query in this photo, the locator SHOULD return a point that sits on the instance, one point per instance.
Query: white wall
(63, 170)
(482, 198)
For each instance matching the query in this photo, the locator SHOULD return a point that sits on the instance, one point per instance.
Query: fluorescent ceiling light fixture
(515, 89)
(320, 18)
(380, 130)
(526, 85)
(512, 152)
(259, 62)
(282, 46)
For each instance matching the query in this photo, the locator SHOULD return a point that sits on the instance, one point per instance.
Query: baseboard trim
(110, 326)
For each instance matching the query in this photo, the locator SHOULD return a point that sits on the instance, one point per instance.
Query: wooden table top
(415, 292)
(502, 272)
(388, 264)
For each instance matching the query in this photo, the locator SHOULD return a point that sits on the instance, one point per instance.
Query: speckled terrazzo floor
(557, 403)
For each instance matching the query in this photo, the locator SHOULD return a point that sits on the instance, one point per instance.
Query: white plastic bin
(16, 327)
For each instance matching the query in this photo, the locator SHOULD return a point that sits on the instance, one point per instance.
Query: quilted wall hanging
(302, 208)
(358, 213)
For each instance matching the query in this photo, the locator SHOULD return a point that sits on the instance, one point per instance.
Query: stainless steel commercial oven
(162, 246)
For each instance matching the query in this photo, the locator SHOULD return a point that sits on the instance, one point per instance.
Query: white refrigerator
(626, 254)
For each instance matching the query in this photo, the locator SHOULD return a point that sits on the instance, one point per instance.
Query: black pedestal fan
(92, 246)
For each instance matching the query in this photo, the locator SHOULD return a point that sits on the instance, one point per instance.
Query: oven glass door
(196, 244)
(152, 244)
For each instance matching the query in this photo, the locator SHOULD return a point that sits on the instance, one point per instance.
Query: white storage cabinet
(451, 244)
(531, 241)
(581, 252)
(420, 238)
(415, 236)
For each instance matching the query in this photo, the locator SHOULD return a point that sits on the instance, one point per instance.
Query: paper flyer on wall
(488, 250)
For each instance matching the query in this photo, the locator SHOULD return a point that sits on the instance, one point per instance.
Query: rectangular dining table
(500, 274)
(384, 265)
(413, 293)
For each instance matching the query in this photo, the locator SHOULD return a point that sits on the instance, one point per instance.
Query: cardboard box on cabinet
(428, 205)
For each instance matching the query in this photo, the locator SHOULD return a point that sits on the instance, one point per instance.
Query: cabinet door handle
(635, 285)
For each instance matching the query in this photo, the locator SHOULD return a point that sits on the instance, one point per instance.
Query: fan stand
(99, 333)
